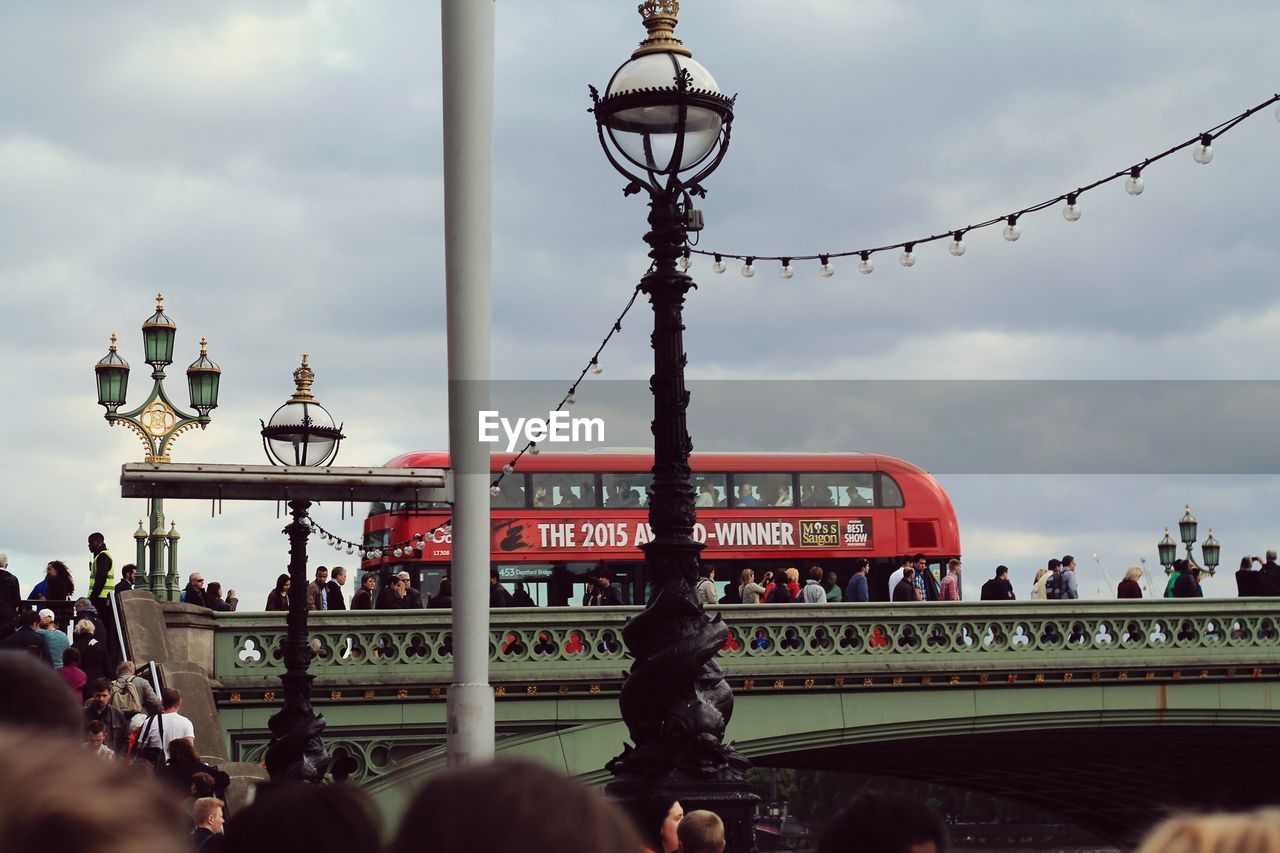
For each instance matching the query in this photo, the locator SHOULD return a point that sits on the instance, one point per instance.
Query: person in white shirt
(161, 730)
(897, 575)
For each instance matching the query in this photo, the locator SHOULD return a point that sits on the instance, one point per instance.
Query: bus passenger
(586, 494)
(746, 496)
(540, 497)
(855, 497)
(706, 496)
(784, 495)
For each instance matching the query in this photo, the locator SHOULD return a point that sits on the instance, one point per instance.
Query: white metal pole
(467, 49)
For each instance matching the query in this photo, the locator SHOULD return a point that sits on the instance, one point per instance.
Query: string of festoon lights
(419, 541)
(1134, 185)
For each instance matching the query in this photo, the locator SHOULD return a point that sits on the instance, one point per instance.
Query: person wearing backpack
(707, 585)
(1054, 586)
(132, 695)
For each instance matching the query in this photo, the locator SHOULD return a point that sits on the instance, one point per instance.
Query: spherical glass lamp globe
(301, 433)
(662, 110)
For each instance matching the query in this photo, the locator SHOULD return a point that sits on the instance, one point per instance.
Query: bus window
(510, 492)
(712, 489)
(853, 489)
(890, 494)
(376, 539)
(564, 490)
(626, 490)
(762, 490)
(377, 508)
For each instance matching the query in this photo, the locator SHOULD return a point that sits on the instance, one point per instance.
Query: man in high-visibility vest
(101, 569)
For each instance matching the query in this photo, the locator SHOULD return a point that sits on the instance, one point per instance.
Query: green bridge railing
(875, 642)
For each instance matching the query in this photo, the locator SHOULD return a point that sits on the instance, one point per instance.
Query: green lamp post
(158, 422)
(1188, 532)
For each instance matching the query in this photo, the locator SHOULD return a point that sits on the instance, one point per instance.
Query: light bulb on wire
(595, 367)
(570, 399)
(827, 270)
(495, 490)
(1011, 230)
(748, 268)
(1135, 185)
(685, 260)
(1072, 211)
(1204, 153)
(718, 266)
(866, 265)
(786, 271)
(533, 448)
(908, 257)
(508, 468)
(957, 246)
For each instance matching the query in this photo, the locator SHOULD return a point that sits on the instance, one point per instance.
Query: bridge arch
(1111, 758)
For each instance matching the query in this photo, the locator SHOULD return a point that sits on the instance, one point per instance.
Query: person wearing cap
(55, 641)
(10, 597)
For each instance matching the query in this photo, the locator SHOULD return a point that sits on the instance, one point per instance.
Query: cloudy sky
(275, 169)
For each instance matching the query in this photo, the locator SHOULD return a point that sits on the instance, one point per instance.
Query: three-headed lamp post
(1188, 528)
(664, 125)
(301, 434)
(158, 422)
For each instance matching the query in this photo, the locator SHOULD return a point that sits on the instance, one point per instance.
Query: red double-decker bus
(562, 519)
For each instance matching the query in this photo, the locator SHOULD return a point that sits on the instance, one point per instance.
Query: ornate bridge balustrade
(822, 646)
(1055, 704)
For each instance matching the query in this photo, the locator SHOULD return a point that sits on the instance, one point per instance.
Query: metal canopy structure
(275, 483)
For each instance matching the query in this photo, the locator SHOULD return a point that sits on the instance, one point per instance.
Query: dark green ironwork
(158, 422)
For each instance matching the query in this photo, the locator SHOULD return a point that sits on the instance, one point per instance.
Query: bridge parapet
(531, 645)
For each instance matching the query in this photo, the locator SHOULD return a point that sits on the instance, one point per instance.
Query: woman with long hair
(59, 585)
(213, 598)
(1038, 591)
(750, 591)
(278, 598)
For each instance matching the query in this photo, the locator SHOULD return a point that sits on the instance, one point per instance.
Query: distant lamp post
(1188, 528)
(664, 126)
(300, 434)
(1168, 551)
(158, 422)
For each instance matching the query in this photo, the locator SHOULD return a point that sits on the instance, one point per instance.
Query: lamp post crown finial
(113, 341)
(303, 377)
(660, 20)
(204, 346)
(159, 301)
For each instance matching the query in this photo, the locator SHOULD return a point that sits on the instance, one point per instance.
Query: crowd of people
(80, 792)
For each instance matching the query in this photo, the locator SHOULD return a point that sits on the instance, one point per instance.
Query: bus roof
(609, 461)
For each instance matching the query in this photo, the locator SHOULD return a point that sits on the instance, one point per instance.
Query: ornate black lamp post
(664, 125)
(1187, 531)
(301, 434)
(158, 422)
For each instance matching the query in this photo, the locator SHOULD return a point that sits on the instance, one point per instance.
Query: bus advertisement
(564, 519)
